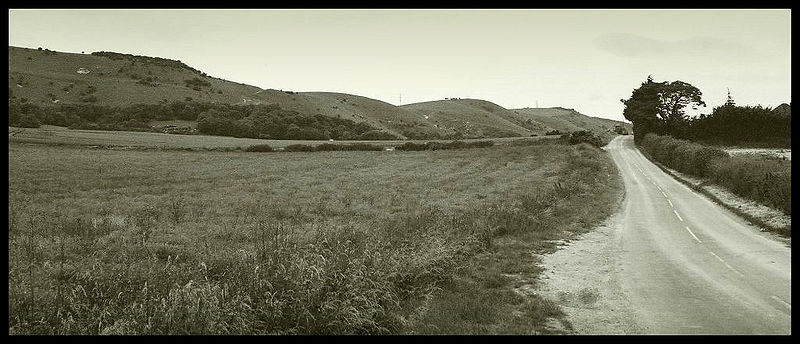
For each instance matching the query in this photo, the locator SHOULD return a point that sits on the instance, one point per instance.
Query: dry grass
(109, 241)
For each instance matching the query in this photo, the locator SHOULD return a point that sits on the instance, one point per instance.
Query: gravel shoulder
(583, 278)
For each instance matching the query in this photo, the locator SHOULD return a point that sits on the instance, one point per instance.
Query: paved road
(690, 266)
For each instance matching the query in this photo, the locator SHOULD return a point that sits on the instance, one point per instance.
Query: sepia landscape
(187, 191)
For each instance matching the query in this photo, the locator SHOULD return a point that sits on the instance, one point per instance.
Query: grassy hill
(471, 117)
(44, 77)
(49, 78)
(376, 113)
(565, 120)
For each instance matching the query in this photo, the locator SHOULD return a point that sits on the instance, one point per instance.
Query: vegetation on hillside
(49, 79)
(155, 61)
(252, 121)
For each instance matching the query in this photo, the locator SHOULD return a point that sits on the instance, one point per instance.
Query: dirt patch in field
(583, 278)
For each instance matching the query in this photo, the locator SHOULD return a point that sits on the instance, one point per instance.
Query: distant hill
(472, 118)
(564, 120)
(49, 78)
(374, 112)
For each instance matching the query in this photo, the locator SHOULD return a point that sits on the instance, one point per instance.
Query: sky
(582, 59)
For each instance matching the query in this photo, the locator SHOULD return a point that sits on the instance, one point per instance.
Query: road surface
(689, 266)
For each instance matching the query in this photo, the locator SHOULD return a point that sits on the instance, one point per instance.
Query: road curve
(689, 266)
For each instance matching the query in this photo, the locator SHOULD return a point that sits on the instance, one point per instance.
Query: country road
(689, 266)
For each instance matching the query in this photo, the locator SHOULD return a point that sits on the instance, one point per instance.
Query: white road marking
(694, 236)
(784, 303)
(678, 215)
(665, 195)
(726, 264)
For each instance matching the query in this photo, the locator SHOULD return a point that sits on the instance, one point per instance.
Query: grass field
(127, 241)
(53, 135)
(780, 153)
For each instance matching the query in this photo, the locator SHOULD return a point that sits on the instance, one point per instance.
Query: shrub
(410, 146)
(586, 136)
(764, 180)
(89, 99)
(684, 156)
(299, 148)
(196, 82)
(24, 120)
(377, 135)
(756, 178)
(259, 148)
(350, 147)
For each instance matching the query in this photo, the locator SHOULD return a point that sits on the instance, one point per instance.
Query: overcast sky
(582, 59)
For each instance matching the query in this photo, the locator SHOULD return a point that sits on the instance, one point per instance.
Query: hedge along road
(689, 266)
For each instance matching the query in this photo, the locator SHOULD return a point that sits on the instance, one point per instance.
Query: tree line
(252, 121)
(660, 108)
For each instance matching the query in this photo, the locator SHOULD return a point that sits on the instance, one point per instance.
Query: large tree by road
(659, 107)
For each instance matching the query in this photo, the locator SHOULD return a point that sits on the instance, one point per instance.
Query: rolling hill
(374, 112)
(566, 120)
(47, 78)
(470, 117)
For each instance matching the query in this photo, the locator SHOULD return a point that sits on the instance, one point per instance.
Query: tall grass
(481, 298)
(410, 146)
(757, 178)
(277, 244)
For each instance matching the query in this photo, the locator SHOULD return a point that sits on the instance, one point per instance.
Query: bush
(410, 146)
(377, 135)
(299, 148)
(350, 147)
(759, 179)
(684, 156)
(24, 120)
(586, 136)
(259, 148)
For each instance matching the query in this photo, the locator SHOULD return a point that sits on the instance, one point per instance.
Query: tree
(642, 108)
(659, 107)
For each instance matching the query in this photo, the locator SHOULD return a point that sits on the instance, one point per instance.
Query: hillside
(472, 118)
(565, 120)
(376, 113)
(44, 77)
(48, 79)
